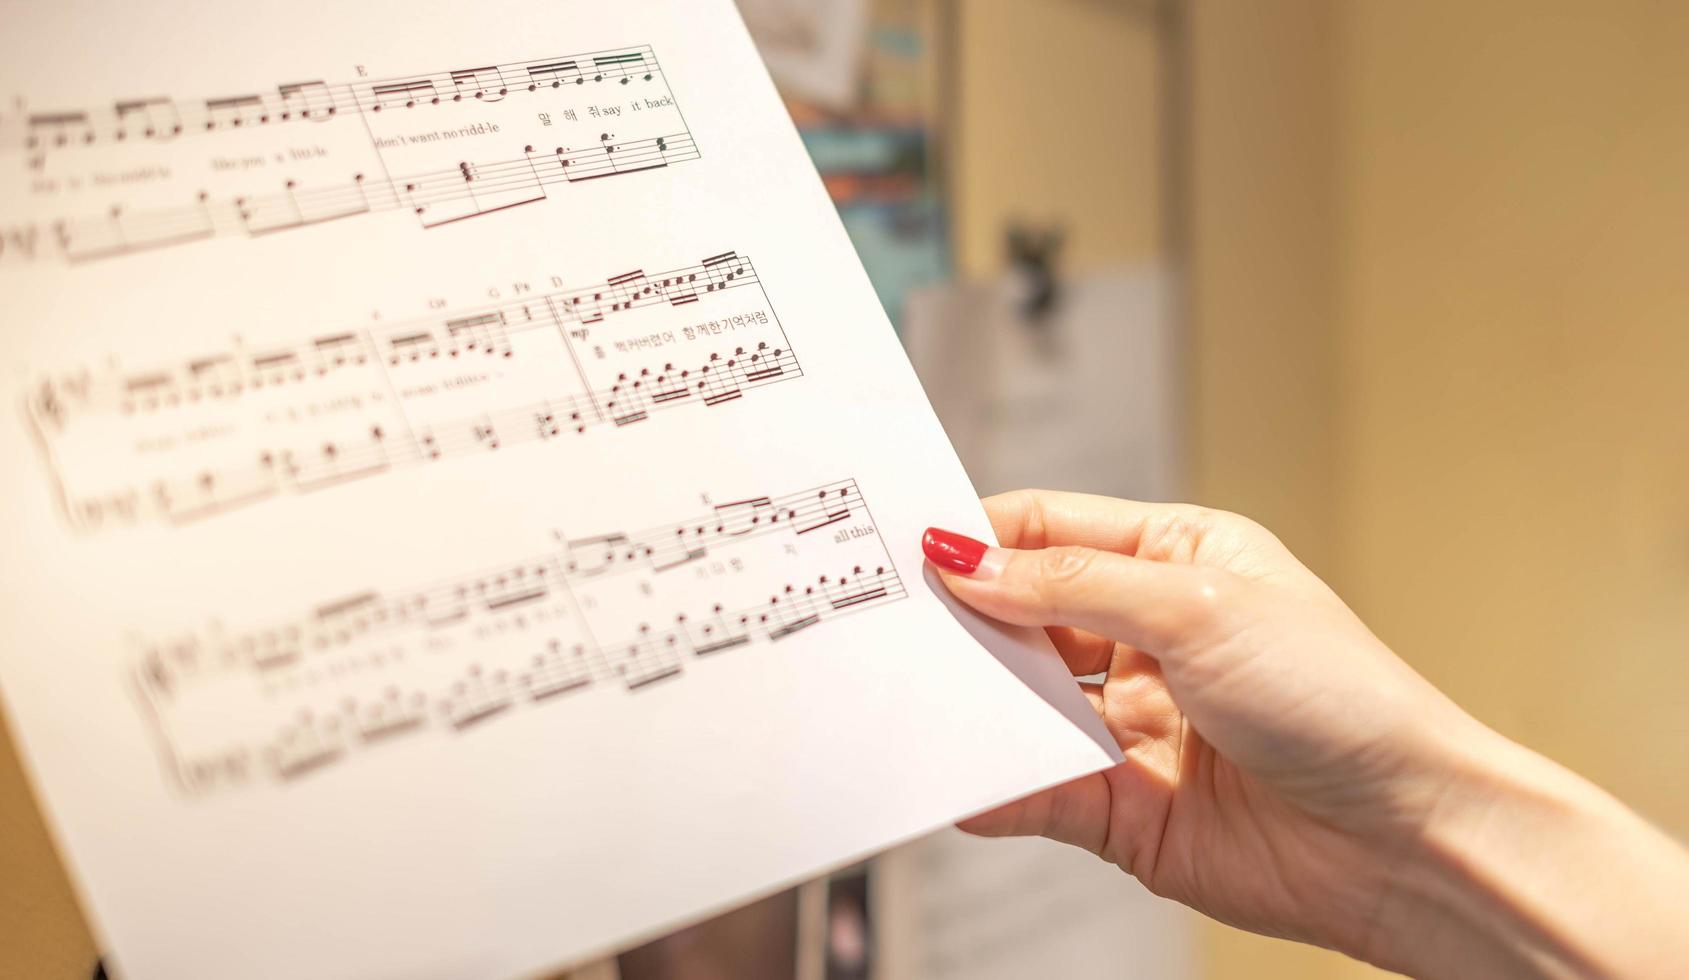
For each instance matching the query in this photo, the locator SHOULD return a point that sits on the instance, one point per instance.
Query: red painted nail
(952, 551)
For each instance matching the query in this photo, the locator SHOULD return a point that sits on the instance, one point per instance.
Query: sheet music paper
(463, 495)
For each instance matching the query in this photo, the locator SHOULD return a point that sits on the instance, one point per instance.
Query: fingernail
(951, 551)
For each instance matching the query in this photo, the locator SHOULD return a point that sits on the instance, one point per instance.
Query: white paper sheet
(463, 513)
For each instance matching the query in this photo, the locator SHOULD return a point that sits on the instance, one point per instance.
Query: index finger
(1033, 519)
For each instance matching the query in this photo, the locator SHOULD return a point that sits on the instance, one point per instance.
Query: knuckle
(1058, 575)
(1017, 516)
(1035, 524)
(1063, 567)
(1175, 534)
(1198, 522)
(1182, 532)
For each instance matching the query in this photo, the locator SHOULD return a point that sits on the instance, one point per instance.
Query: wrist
(1524, 869)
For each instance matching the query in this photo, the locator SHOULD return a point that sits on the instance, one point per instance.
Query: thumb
(1157, 607)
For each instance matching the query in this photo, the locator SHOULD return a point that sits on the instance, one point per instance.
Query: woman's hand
(1285, 772)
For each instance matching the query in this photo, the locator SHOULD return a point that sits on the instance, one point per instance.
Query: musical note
(119, 233)
(617, 65)
(406, 94)
(19, 242)
(671, 546)
(307, 100)
(319, 101)
(484, 332)
(555, 672)
(412, 345)
(235, 111)
(272, 368)
(592, 556)
(471, 189)
(484, 665)
(358, 170)
(367, 614)
(477, 697)
(264, 459)
(647, 658)
(491, 328)
(304, 746)
(554, 74)
(486, 434)
(742, 516)
(486, 84)
(153, 119)
(328, 464)
(340, 350)
(389, 715)
(58, 129)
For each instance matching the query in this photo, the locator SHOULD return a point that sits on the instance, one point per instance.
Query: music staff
(724, 377)
(319, 102)
(637, 663)
(397, 396)
(436, 198)
(670, 546)
(337, 680)
(335, 624)
(483, 330)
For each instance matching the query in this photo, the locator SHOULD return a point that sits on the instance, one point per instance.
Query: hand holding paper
(1285, 772)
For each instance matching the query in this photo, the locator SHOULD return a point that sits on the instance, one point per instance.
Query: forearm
(1527, 870)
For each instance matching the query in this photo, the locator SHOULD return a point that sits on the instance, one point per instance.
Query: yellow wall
(1492, 292)
(1056, 125)
(1262, 358)
(1515, 367)
(41, 932)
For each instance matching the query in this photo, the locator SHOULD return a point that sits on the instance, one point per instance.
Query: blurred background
(1403, 281)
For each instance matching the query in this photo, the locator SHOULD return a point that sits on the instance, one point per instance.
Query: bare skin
(1287, 773)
